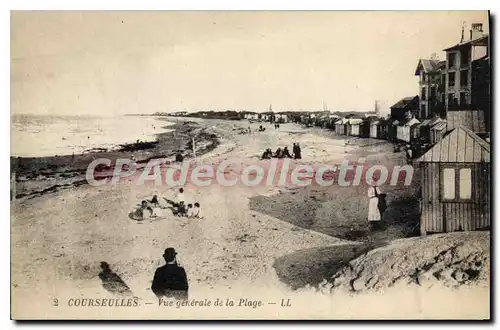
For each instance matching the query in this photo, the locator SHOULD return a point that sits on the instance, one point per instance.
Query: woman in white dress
(374, 216)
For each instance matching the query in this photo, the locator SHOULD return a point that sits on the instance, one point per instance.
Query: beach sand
(257, 242)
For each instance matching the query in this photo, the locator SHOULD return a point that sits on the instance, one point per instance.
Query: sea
(41, 136)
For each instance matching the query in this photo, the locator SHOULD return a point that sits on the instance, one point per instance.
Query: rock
(358, 285)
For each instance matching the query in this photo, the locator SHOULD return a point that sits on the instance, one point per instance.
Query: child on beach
(196, 213)
(189, 211)
(142, 212)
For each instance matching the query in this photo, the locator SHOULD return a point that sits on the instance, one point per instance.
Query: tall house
(431, 87)
(468, 72)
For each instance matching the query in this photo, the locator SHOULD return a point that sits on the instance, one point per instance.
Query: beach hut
(425, 128)
(437, 131)
(365, 127)
(456, 183)
(425, 131)
(392, 129)
(415, 132)
(340, 126)
(355, 126)
(403, 129)
(374, 129)
(382, 129)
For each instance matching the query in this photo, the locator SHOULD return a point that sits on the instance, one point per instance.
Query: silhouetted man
(170, 280)
(112, 282)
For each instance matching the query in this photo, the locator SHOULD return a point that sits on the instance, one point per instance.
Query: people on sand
(181, 200)
(178, 204)
(194, 211)
(286, 153)
(375, 207)
(154, 201)
(279, 153)
(189, 210)
(197, 211)
(170, 280)
(143, 212)
(296, 151)
(268, 154)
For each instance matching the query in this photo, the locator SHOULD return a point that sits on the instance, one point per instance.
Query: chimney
(463, 28)
(476, 31)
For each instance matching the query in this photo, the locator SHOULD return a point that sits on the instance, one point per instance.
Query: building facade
(431, 88)
(467, 72)
(406, 108)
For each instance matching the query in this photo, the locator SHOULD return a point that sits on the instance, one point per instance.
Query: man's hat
(170, 252)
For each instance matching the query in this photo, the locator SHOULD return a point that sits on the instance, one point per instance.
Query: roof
(461, 145)
(472, 119)
(485, 57)
(410, 122)
(355, 121)
(403, 103)
(425, 122)
(435, 120)
(439, 126)
(427, 66)
(481, 41)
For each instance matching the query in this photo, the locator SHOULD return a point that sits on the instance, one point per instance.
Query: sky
(114, 63)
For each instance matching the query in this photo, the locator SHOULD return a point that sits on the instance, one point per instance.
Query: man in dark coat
(170, 280)
(296, 151)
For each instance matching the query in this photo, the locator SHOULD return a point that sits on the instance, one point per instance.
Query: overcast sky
(141, 62)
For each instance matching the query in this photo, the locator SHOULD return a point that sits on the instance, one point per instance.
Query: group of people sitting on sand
(178, 207)
(283, 153)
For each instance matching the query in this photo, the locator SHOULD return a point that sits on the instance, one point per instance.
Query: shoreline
(39, 175)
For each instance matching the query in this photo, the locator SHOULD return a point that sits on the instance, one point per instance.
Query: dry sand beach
(309, 245)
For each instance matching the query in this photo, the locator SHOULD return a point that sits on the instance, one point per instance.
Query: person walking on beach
(374, 214)
(170, 280)
(296, 151)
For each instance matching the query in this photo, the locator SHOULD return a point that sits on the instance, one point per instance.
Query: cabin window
(456, 184)
(449, 183)
(465, 183)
